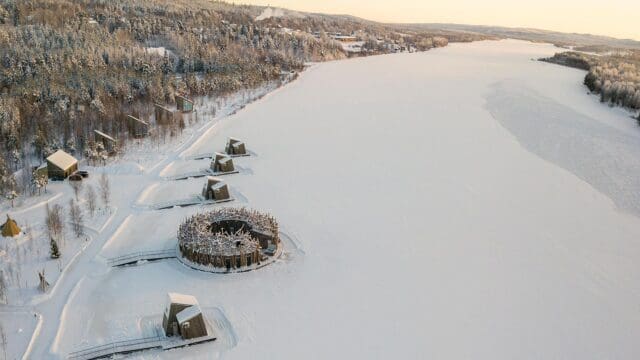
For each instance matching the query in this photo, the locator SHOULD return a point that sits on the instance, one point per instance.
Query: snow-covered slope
(420, 226)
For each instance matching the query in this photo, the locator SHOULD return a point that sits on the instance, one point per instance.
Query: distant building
(10, 228)
(60, 165)
(163, 114)
(222, 163)
(215, 189)
(345, 38)
(235, 147)
(137, 128)
(107, 141)
(183, 316)
(184, 104)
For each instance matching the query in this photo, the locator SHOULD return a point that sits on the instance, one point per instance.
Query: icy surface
(424, 221)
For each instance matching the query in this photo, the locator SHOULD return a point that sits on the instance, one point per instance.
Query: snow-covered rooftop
(188, 313)
(62, 160)
(104, 135)
(176, 298)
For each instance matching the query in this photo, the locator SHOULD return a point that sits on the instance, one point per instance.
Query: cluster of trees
(614, 75)
(68, 67)
(59, 221)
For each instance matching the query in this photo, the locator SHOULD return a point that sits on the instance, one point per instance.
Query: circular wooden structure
(228, 238)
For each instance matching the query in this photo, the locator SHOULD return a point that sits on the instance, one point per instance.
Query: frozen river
(466, 202)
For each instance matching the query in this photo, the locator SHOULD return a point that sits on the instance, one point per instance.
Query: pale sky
(617, 18)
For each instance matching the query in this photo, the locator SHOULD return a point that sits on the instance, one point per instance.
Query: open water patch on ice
(605, 157)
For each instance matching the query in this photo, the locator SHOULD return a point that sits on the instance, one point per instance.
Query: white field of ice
(425, 228)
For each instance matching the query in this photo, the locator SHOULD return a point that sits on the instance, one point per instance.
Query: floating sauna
(215, 189)
(235, 147)
(222, 163)
(183, 316)
(230, 238)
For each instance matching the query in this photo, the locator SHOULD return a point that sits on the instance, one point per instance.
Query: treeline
(615, 76)
(68, 67)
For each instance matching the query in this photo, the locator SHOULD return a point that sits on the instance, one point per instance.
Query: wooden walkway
(187, 202)
(199, 173)
(129, 346)
(133, 258)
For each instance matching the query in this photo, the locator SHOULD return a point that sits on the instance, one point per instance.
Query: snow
(270, 12)
(504, 235)
(160, 51)
(188, 313)
(175, 298)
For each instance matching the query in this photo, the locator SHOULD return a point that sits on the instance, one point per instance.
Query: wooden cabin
(191, 323)
(176, 303)
(222, 163)
(235, 147)
(215, 189)
(109, 143)
(60, 165)
(137, 128)
(10, 228)
(163, 114)
(184, 104)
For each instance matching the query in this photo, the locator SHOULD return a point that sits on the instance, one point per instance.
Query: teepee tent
(10, 228)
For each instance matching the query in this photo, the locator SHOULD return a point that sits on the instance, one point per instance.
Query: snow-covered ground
(466, 202)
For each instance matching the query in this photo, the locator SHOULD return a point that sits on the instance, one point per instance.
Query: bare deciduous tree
(76, 218)
(55, 221)
(76, 186)
(91, 196)
(105, 190)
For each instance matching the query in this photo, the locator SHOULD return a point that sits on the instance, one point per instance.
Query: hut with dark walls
(10, 228)
(222, 163)
(163, 114)
(109, 143)
(235, 147)
(215, 189)
(184, 104)
(176, 303)
(60, 165)
(191, 323)
(137, 128)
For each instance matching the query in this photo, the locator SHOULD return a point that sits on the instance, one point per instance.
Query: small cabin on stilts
(137, 128)
(109, 143)
(184, 104)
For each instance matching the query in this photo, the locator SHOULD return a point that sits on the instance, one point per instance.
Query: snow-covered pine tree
(55, 252)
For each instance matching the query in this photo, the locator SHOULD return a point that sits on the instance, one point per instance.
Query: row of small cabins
(61, 165)
(139, 128)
